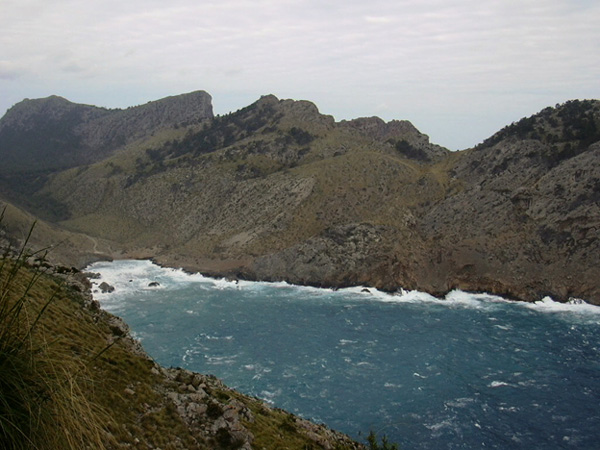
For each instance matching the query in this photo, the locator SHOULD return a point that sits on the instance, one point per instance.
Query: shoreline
(399, 292)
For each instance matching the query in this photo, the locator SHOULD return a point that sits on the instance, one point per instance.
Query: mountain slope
(62, 246)
(257, 181)
(278, 191)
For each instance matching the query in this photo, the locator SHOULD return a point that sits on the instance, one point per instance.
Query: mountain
(279, 191)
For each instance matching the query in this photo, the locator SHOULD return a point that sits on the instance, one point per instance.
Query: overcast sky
(458, 69)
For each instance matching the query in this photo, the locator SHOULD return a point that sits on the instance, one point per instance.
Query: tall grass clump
(42, 405)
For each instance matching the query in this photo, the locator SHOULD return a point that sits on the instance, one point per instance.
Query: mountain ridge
(279, 191)
(92, 131)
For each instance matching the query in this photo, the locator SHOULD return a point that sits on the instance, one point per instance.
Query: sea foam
(130, 277)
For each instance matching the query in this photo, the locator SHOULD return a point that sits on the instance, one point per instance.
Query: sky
(459, 70)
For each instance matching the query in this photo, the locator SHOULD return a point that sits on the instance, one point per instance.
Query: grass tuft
(42, 405)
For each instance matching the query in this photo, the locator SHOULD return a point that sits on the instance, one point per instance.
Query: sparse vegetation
(300, 136)
(577, 123)
(222, 131)
(410, 151)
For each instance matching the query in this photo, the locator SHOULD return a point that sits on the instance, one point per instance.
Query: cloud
(421, 58)
(379, 19)
(10, 70)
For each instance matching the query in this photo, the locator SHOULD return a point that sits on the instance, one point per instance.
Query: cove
(467, 371)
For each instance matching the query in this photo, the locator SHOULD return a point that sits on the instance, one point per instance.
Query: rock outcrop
(347, 255)
(402, 134)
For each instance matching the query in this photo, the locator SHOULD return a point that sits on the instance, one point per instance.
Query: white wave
(360, 290)
(221, 360)
(403, 296)
(129, 277)
(269, 396)
(547, 304)
(209, 337)
(495, 384)
(460, 402)
(439, 428)
(190, 355)
(364, 363)
(473, 298)
(508, 408)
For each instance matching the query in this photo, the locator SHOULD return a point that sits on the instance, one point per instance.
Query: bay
(467, 371)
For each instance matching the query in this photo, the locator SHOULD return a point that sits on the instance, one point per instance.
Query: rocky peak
(268, 99)
(54, 133)
(51, 112)
(193, 106)
(297, 111)
(402, 134)
(307, 112)
(136, 122)
(382, 131)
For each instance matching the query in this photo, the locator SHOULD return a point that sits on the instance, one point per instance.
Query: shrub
(385, 445)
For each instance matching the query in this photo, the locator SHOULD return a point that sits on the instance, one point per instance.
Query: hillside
(279, 191)
(94, 385)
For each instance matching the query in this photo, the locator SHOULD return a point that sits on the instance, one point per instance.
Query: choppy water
(464, 372)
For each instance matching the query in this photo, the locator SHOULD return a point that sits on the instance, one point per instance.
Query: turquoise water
(464, 372)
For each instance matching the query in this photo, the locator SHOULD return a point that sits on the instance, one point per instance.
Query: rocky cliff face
(402, 134)
(277, 190)
(53, 133)
(527, 219)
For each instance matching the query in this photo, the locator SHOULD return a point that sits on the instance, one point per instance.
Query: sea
(466, 371)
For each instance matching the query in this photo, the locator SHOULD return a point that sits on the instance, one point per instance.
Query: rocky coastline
(214, 415)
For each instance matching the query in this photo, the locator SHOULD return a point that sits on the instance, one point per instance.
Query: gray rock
(106, 288)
